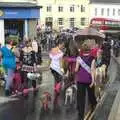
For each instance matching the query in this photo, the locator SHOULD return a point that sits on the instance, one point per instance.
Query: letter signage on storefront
(20, 13)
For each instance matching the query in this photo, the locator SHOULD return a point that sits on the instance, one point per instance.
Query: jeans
(9, 78)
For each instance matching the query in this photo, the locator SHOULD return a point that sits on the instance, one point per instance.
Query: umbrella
(89, 33)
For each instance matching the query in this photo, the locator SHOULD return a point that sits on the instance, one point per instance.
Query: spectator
(35, 45)
(106, 47)
(28, 59)
(9, 63)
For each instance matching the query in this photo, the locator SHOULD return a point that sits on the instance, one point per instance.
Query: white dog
(100, 78)
(33, 76)
(69, 93)
(101, 72)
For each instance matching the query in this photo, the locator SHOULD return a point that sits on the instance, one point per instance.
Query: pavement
(30, 108)
(105, 104)
(117, 102)
(115, 108)
(22, 108)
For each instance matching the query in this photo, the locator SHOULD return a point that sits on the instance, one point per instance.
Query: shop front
(18, 22)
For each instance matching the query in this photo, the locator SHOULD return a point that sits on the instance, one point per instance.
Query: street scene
(59, 60)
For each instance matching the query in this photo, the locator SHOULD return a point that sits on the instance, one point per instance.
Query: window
(102, 11)
(49, 19)
(60, 8)
(118, 12)
(60, 21)
(82, 8)
(97, 22)
(113, 12)
(83, 20)
(108, 11)
(49, 8)
(95, 11)
(72, 22)
(72, 8)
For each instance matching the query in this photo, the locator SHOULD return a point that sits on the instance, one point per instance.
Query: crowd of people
(18, 60)
(86, 68)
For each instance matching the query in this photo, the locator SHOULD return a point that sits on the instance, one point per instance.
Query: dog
(34, 77)
(2, 83)
(46, 99)
(100, 73)
(70, 93)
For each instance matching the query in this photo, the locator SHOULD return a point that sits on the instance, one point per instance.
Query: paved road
(21, 108)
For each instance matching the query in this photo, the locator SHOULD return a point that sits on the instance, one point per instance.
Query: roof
(104, 1)
(19, 4)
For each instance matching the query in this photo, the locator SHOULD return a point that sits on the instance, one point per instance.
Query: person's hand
(13, 49)
(92, 84)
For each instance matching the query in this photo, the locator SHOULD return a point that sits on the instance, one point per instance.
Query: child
(17, 81)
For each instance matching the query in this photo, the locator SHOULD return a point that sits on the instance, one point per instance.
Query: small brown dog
(46, 98)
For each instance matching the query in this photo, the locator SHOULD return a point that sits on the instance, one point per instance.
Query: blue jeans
(9, 78)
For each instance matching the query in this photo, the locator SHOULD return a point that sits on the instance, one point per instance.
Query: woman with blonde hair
(85, 69)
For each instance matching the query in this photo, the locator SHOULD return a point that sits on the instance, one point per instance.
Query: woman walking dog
(56, 55)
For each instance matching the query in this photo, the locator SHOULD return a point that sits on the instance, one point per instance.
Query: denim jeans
(9, 78)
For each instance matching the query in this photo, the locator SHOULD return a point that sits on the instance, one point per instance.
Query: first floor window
(72, 22)
(60, 21)
(49, 19)
(83, 20)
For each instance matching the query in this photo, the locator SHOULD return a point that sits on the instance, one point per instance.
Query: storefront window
(14, 29)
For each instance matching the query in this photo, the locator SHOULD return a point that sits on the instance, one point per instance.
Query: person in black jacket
(28, 61)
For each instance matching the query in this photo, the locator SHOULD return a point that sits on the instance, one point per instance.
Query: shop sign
(20, 13)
